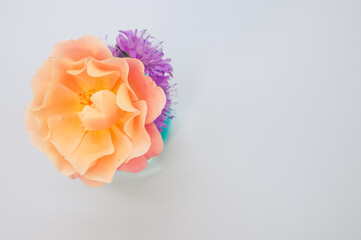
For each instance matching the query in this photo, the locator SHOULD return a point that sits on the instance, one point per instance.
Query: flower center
(85, 97)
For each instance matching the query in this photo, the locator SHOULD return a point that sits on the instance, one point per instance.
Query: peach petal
(67, 72)
(104, 169)
(85, 46)
(123, 99)
(138, 164)
(103, 113)
(156, 139)
(74, 176)
(41, 80)
(97, 75)
(126, 122)
(146, 89)
(32, 126)
(58, 160)
(93, 146)
(74, 68)
(140, 138)
(107, 67)
(99, 68)
(59, 100)
(65, 132)
(91, 183)
(128, 127)
(134, 165)
(100, 76)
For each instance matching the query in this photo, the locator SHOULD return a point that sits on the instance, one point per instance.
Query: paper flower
(94, 113)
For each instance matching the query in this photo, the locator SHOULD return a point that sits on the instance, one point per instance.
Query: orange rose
(93, 113)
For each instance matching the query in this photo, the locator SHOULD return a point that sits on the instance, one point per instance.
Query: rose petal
(33, 128)
(41, 80)
(91, 183)
(59, 100)
(97, 68)
(85, 46)
(138, 164)
(108, 67)
(146, 89)
(93, 146)
(135, 165)
(103, 113)
(156, 146)
(100, 76)
(104, 169)
(136, 126)
(123, 99)
(58, 160)
(65, 132)
(67, 72)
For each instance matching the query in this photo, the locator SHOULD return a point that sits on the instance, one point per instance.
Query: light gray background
(266, 143)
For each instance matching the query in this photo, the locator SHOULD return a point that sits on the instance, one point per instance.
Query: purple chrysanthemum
(136, 44)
